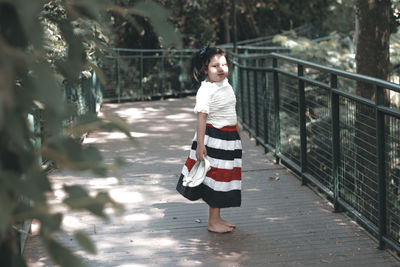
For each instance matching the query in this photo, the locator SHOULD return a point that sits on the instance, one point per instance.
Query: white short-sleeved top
(218, 100)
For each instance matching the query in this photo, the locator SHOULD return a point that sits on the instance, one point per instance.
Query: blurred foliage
(47, 48)
(146, 32)
(209, 21)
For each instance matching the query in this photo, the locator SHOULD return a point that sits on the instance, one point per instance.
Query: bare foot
(219, 228)
(228, 223)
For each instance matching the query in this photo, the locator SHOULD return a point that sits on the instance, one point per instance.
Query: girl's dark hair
(200, 61)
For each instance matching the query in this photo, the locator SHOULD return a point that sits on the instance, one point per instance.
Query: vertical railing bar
(248, 97)
(256, 105)
(118, 85)
(241, 91)
(302, 123)
(276, 110)
(380, 146)
(335, 127)
(141, 76)
(161, 92)
(265, 107)
(180, 77)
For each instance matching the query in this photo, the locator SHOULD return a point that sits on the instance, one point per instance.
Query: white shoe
(197, 174)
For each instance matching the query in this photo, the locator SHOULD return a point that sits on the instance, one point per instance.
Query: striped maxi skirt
(222, 186)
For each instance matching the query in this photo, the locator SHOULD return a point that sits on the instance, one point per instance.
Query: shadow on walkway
(280, 223)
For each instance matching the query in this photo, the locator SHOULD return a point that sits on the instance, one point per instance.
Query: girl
(217, 138)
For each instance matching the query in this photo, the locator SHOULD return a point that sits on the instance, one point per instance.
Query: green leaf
(98, 72)
(80, 200)
(9, 19)
(117, 123)
(61, 255)
(85, 242)
(33, 186)
(159, 17)
(16, 127)
(29, 12)
(50, 222)
(72, 67)
(6, 207)
(69, 153)
(75, 191)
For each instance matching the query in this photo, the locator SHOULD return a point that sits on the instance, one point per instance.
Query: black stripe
(224, 135)
(191, 193)
(215, 199)
(220, 153)
(218, 199)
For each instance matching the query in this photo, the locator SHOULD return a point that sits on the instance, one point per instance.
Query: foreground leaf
(61, 255)
(85, 242)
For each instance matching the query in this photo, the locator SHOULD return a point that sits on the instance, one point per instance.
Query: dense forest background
(202, 22)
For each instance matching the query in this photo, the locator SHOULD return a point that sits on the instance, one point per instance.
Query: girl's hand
(201, 152)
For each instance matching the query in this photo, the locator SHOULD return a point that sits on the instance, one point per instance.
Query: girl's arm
(201, 151)
(237, 128)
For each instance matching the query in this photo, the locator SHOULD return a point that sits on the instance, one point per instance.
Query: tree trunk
(227, 27)
(372, 59)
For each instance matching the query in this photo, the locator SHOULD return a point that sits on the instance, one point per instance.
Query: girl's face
(217, 68)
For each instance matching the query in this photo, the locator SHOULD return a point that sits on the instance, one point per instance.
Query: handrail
(285, 101)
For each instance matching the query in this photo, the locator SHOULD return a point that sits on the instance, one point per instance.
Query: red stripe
(231, 128)
(225, 175)
(190, 163)
(217, 174)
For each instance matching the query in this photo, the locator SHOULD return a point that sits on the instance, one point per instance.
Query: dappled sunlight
(340, 222)
(137, 217)
(73, 223)
(232, 257)
(181, 117)
(277, 219)
(124, 196)
(103, 182)
(252, 190)
(131, 114)
(132, 265)
(159, 227)
(180, 147)
(104, 137)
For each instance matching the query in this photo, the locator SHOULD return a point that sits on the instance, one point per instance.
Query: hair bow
(204, 50)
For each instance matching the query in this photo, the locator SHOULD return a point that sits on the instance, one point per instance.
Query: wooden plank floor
(280, 223)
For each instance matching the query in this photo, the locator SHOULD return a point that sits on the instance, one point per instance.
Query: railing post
(248, 97)
(380, 146)
(180, 78)
(241, 91)
(302, 123)
(141, 76)
(335, 126)
(256, 105)
(118, 72)
(276, 110)
(162, 74)
(264, 84)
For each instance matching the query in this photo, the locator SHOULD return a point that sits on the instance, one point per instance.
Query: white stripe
(222, 144)
(219, 163)
(185, 171)
(223, 186)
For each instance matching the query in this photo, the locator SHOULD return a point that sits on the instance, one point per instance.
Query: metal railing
(144, 74)
(311, 117)
(141, 74)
